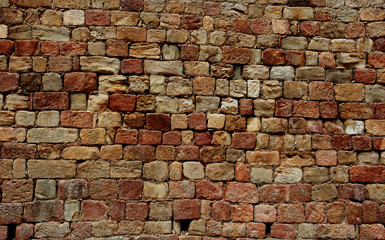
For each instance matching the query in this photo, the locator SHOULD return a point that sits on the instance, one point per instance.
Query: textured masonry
(192, 120)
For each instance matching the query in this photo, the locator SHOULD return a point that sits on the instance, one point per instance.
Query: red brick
(299, 192)
(147, 137)
(241, 192)
(283, 231)
(242, 172)
(274, 56)
(182, 189)
(186, 209)
(136, 211)
(314, 126)
(367, 174)
(244, 140)
(211, 8)
(310, 28)
(372, 231)
(8, 81)
(241, 25)
(80, 82)
(24, 47)
(291, 213)
(379, 110)
(272, 193)
(355, 30)
(122, 102)
(203, 138)
(44, 211)
(117, 210)
(315, 212)
(12, 150)
(24, 231)
(209, 154)
(365, 75)
(342, 142)
(326, 157)
(379, 44)
(97, 17)
(369, 212)
(295, 58)
(6, 46)
(246, 107)
(132, 5)
(132, 66)
(197, 121)
(81, 229)
(354, 192)
(284, 108)
(323, 15)
(172, 138)
(308, 109)
(93, 210)
(353, 212)
(116, 48)
(335, 212)
(191, 22)
(103, 189)
(141, 152)
(236, 55)
(50, 101)
(256, 230)
(73, 48)
(158, 121)
(220, 211)
(242, 213)
(11, 213)
(260, 26)
(126, 136)
(326, 60)
(381, 213)
(329, 110)
(189, 52)
(209, 190)
(356, 110)
(376, 59)
(378, 143)
(363, 143)
(130, 189)
(73, 189)
(187, 153)
(3, 232)
(76, 119)
(50, 48)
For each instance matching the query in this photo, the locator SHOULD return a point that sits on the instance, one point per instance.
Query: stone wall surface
(192, 119)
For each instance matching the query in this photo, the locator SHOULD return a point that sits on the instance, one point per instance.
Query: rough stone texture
(197, 120)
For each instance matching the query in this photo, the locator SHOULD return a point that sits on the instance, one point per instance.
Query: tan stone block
(96, 136)
(80, 153)
(51, 168)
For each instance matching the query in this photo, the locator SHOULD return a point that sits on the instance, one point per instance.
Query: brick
(76, 119)
(42, 211)
(203, 138)
(80, 82)
(190, 22)
(197, 121)
(97, 17)
(50, 101)
(315, 212)
(293, 213)
(366, 173)
(321, 91)
(24, 231)
(242, 213)
(6, 46)
(132, 66)
(136, 211)
(353, 212)
(73, 189)
(299, 192)
(131, 34)
(158, 121)
(73, 48)
(130, 189)
(235, 55)
(171, 138)
(187, 152)
(283, 231)
(260, 26)
(221, 211)
(11, 213)
(369, 212)
(335, 212)
(256, 230)
(342, 142)
(143, 153)
(362, 143)
(117, 49)
(18, 150)
(186, 189)
(186, 209)
(241, 25)
(9, 81)
(306, 109)
(24, 47)
(93, 210)
(326, 158)
(274, 57)
(132, 5)
(244, 140)
(209, 190)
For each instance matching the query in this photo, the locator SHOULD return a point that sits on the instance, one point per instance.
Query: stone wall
(192, 120)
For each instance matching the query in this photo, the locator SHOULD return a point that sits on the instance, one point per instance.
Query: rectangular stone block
(52, 135)
(51, 168)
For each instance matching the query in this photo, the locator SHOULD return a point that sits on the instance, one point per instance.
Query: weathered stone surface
(52, 135)
(51, 168)
(103, 65)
